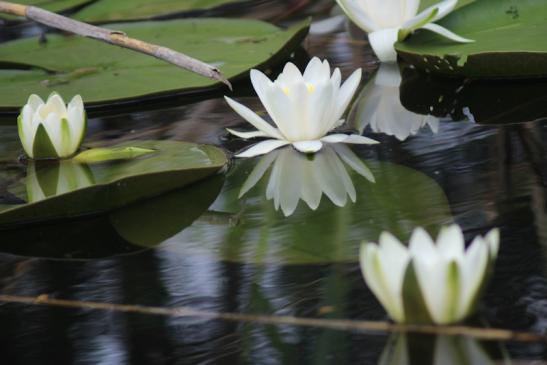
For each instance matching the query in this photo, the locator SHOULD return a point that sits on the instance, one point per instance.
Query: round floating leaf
(104, 74)
(66, 189)
(509, 41)
(250, 230)
(122, 10)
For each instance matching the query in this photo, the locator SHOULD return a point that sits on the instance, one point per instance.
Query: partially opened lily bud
(427, 282)
(52, 129)
(57, 178)
(389, 21)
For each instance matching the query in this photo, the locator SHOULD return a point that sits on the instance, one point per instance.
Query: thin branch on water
(113, 37)
(490, 334)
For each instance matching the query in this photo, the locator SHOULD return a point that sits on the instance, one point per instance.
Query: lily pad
(250, 229)
(509, 41)
(57, 6)
(53, 190)
(130, 229)
(104, 74)
(122, 10)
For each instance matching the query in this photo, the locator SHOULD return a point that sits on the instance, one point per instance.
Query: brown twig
(113, 37)
(490, 334)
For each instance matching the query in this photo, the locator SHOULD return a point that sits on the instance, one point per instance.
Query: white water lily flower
(390, 21)
(304, 107)
(295, 176)
(427, 282)
(56, 179)
(379, 106)
(52, 129)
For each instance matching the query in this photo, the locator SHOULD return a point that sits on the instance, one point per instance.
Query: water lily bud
(57, 178)
(389, 21)
(52, 129)
(304, 108)
(427, 282)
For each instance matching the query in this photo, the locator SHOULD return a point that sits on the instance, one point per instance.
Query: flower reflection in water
(404, 349)
(296, 176)
(56, 178)
(379, 106)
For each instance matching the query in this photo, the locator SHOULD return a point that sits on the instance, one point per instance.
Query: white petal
(28, 127)
(421, 19)
(34, 101)
(290, 74)
(473, 271)
(247, 135)
(383, 43)
(446, 33)
(308, 146)
(284, 113)
(287, 188)
(451, 243)
(421, 244)
(56, 104)
(76, 121)
(493, 239)
(253, 118)
(358, 16)
(262, 148)
(52, 125)
(375, 275)
(346, 93)
(358, 139)
(313, 71)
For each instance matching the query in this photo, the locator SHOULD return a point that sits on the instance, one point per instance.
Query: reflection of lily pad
(509, 41)
(57, 190)
(104, 74)
(253, 231)
(481, 101)
(123, 231)
(118, 10)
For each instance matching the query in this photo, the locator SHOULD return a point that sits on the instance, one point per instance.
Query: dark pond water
(452, 151)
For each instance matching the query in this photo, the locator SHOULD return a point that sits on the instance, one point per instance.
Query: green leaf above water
(122, 10)
(104, 74)
(66, 189)
(509, 41)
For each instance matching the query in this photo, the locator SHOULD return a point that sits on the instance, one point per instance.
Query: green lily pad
(104, 74)
(53, 190)
(57, 6)
(509, 41)
(250, 229)
(127, 230)
(122, 10)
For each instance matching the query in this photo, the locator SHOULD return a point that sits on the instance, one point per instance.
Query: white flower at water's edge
(296, 177)
(304, 108)
(52, 129)
(390, 21)
(379, 106)
(427, 282)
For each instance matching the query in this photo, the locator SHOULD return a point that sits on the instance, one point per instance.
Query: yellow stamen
(311, 87)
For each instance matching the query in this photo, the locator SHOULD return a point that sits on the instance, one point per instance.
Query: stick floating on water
(113, 37)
